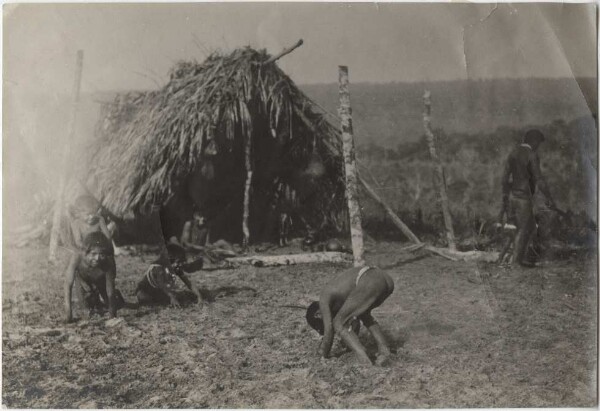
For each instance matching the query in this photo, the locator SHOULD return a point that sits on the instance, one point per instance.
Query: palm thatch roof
(149, 142)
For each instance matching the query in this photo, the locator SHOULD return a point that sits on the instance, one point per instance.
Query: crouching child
(350, 297)
(93, 265)
(157, 287)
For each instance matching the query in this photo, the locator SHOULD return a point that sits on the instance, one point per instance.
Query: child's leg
(508, 240)
(146, 297)
(353, 326)
(112, 231)
(186, 297)
(143, 297)
(355, 305)
(119, 300)
(103, 294)
(369, 322)
(90, 297)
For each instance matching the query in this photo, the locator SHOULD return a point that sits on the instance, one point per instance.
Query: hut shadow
(210, 296)
(187, 298)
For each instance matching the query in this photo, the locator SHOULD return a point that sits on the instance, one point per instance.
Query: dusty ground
(466, 335)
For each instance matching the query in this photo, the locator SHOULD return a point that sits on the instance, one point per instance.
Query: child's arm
(186, 237)
(189, 284)
(111, 275)
(324, 306)
(104, 227)
(193, 266)
(186, 233)
(70, 279)
(76, 233)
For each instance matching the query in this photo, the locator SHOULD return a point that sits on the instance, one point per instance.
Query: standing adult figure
(522, 175)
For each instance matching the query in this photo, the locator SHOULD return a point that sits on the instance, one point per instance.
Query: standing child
(87, 217)
(351, 295)
(93, 265)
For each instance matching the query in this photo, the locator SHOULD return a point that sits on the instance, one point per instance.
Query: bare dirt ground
(465, 335)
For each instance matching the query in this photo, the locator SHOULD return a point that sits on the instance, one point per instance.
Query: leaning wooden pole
(350, 169)
(247, 187)
(59, 202)
(439, 178)
(393, 216)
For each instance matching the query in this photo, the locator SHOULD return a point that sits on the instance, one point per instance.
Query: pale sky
(126, 46)
(132, 47)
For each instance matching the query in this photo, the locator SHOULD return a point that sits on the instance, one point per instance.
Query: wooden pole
(248, 185)
(58, 204)
(439, 178)
(350, 169)
(284, 52)
(395, 219)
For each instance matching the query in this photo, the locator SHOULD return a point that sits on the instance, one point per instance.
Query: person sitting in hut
(157, 286)
(86, 217)
(95, 270)
(351, 295)
(194, 235)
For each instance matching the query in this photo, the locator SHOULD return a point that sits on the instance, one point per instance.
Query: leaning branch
(283, 53)
(395, 219)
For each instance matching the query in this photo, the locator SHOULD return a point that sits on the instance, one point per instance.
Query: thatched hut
(191, 144)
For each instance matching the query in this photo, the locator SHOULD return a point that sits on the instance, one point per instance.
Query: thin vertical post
(350, 169)
(439, 177)
(247, 187)
(65, 161)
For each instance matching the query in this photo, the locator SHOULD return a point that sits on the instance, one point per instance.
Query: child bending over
(348, 297)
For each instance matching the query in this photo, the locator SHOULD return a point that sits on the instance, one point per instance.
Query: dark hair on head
(86, 202)
(176, 252)
(313, 317)
(533, 136)
(97, 239)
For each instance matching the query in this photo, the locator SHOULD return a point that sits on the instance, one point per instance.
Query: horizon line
(371, 82)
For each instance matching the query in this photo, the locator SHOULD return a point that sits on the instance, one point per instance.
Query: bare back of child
(352, 295)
